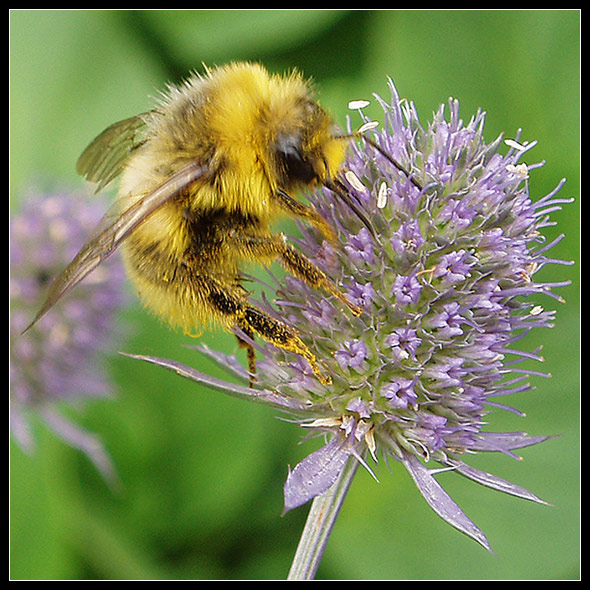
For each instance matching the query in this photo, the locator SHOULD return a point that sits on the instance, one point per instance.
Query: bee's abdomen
(179, 285)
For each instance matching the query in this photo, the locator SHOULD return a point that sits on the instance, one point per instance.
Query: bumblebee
(202, 177)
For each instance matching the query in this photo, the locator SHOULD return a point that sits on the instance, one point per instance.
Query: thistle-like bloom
(58, 360)
(447, 290)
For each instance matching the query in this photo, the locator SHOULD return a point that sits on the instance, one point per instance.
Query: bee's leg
(279, 334)
(250, 353)
(276, 247)
(294, 207)
(231, 303)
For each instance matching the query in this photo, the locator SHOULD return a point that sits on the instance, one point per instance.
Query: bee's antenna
(338, 187)
(360, 133)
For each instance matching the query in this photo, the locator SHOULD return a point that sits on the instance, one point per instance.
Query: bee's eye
(291, 160)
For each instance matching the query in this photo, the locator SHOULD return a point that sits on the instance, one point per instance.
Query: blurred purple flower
(447, 291)
(58, 360)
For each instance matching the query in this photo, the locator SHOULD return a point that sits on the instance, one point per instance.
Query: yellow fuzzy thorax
(229, 117)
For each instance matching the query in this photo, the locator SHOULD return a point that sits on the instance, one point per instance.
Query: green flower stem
(320, 520)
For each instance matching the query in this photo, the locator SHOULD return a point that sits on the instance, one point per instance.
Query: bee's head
(305, 150)
(313, 154)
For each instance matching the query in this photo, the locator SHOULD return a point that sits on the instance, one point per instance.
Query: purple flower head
(406, 289)
(447, 289)
(59, 358)
(404, 343)
(360, 248)
(407, 240)
(400, 393)
(351, 354)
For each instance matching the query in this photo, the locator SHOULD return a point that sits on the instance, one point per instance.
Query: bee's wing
(111, 234)
(104, 159)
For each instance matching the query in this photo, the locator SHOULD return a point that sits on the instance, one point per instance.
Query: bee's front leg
(294, 207)
(271, 247)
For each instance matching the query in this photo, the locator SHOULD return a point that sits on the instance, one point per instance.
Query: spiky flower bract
(447, 287)
(58, 360)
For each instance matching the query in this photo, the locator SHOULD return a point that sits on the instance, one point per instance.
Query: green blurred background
(202, 474)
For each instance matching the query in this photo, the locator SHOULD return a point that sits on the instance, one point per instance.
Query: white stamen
(536, 310)
(370, 440)
(354, 105)
(520, 170)
(382, 196)
(324, 423)
(347, 423)
(514, 144)
(354, 181)
(367, 126)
